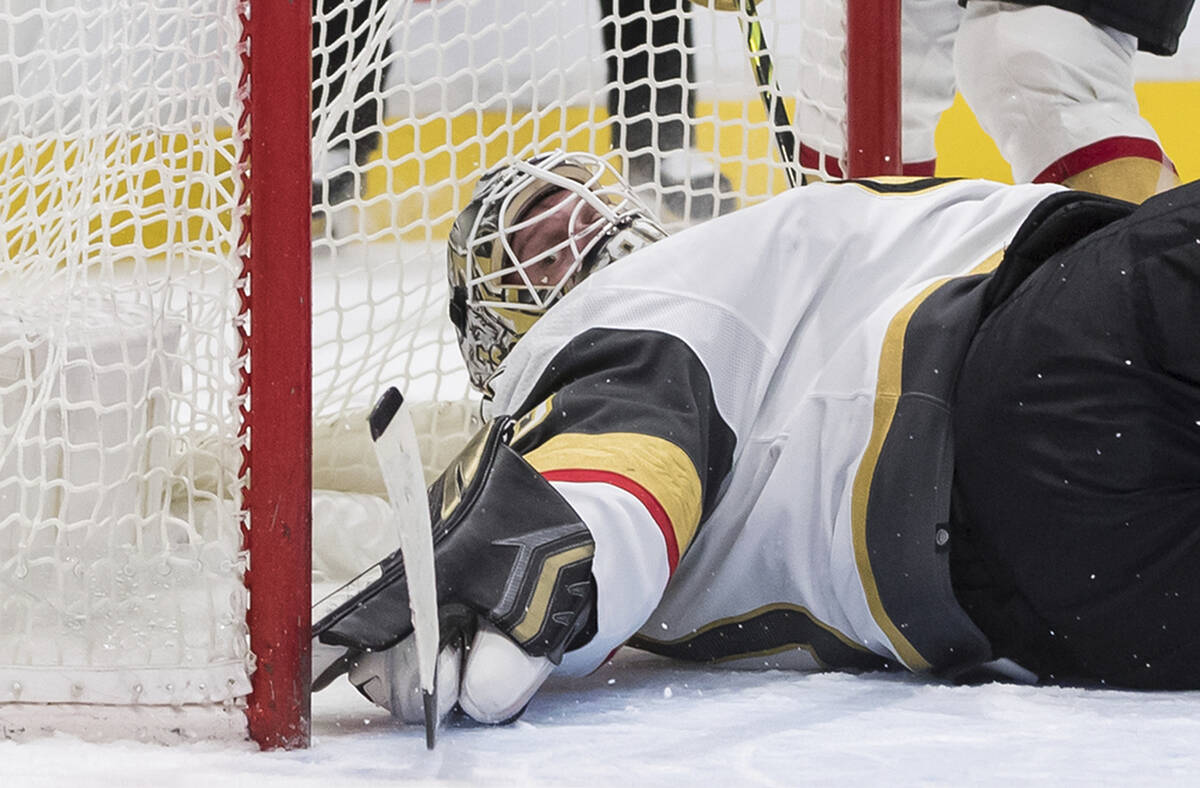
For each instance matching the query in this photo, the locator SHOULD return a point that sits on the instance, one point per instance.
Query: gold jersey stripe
(659, 466)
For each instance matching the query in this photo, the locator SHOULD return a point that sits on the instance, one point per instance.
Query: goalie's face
(548, 244)
(532, 231)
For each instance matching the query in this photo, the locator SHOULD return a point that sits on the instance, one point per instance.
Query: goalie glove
(510, 552)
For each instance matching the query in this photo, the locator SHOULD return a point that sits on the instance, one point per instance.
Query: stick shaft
(768, 89)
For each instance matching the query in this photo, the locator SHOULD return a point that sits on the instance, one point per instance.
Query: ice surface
(645, 721)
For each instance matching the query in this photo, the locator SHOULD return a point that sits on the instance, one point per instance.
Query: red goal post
(873, 88)
(278, 457)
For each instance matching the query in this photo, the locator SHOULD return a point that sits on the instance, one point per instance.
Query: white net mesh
(117, 268)
(407, 120)
(120, 547)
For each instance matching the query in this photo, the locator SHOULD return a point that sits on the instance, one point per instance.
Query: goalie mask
(532, 231)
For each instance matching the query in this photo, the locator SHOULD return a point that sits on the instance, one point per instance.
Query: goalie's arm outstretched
(563, 551)
(555, 533)
(511, 557)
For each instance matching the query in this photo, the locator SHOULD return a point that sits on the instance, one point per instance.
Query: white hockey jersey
(751, 418)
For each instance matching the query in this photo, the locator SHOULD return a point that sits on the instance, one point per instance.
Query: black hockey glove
(508, 551)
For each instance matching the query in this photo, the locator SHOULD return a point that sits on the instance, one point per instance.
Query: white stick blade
(395, 442)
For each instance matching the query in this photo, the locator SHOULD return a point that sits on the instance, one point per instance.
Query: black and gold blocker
(507, 547)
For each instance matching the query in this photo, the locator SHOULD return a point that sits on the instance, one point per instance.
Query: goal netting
(151, 209)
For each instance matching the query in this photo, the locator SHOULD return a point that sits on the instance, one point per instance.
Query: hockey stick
(768, 89)
(395, 442)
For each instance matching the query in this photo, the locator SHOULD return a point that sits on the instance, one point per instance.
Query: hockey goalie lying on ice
(948, 426)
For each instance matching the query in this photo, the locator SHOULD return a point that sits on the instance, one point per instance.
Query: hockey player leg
(1132, 178)
(650, 96)
(1076, 544)
(927, 31)
(351, 54)
(1055, 92)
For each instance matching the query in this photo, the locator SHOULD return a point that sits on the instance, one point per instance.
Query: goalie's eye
(551, 239)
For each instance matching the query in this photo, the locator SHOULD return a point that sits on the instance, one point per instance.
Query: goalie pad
(507, 548)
